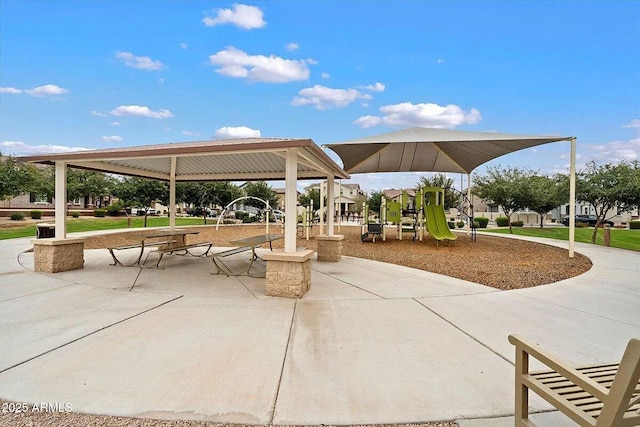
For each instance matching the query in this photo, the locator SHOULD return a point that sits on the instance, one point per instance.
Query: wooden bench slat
(599, 395)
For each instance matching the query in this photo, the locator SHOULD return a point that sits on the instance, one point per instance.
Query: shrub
(476, 224)
(580, 224)
(17, 216)
(502, 221)
(99, 213)
(115, 208)
(36, 214)
(460, 224)
(75, 214)
(482, 221)
(452, 224)
(517, 223)
(634, 225)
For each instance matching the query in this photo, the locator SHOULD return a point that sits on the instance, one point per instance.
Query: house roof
(212, 160)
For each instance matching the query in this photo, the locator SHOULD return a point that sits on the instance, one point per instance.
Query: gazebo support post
(321, 208)
(289, 271)
(330, 245)
(172, 193)
(572, 199)
(59, 254)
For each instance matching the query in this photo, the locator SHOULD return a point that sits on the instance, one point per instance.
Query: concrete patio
(370, 343)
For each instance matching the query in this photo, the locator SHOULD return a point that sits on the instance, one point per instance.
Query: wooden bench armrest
(560, 366)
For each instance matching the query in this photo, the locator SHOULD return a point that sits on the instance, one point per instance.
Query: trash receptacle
(45, 231)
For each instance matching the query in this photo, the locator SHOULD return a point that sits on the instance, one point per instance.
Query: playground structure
(305, 221)
(267, 210)
(424, 213)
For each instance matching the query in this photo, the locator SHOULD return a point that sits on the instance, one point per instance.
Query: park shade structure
(242, 159)
(420, 149)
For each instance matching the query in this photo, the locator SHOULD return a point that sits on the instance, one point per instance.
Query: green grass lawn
(623, 239)
(89, 224)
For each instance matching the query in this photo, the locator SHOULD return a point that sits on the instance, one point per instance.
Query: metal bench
(169, 249)
(141, 246)
(220, 267)
(605, 395)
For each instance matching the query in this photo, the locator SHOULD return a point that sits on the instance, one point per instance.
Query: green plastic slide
(437, 223)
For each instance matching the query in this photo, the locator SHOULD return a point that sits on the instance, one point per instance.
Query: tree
(84, 183)
(141, 192)
(203, 195)
(305, 199)
(260, 190)
(451, 200)
(375, 201)
(607, 187)
(17, 178)
(544, 193)
(505, 187)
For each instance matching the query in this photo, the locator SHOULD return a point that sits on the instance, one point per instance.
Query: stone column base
(56, 255)
(330, 248)
(288, 274)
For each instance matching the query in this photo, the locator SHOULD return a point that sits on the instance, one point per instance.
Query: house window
(39, 199)
(76, 201)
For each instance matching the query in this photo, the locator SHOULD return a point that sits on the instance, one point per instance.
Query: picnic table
(244, 245)
(167, 240)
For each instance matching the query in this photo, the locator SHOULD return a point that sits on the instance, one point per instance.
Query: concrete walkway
(371, 342)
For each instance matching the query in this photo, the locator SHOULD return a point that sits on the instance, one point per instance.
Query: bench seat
(186, 248)
(140, 246)
(602, 395)
(220, 267)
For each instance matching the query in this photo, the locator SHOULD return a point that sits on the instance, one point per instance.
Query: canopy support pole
(572, 199)
(330, 204)
(172, 194)
(469, 204)
(290, 214)
(321, 208)
(61, 200)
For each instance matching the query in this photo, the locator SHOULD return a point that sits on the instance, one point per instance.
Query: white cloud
(190, 133)
(292, 46)
(242, 15)
(139, 110)
(236, 132)
(139, 62)
(10, 90)
(98, 114)
(613, 152)
(376, 87)
(183, 45)
(440, 61)
(112, 138)
(267, 69)
(46, 90)
(407, 114)
(115, 124)
(161, 80)
(20, 148)
(325, 76)
(634, 124)
(323, 97)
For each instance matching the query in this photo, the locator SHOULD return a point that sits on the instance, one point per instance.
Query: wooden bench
(220, 267)
(140, 246)
(603, 395)
(168, 249)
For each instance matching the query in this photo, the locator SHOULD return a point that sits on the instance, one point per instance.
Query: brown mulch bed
(498, 262)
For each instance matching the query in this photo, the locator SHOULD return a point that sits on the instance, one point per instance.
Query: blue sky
(83, 75)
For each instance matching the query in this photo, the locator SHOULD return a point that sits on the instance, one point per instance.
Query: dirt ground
(498, 262)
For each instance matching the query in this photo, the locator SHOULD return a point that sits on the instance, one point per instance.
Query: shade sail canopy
(421, 149)
(215, 160)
